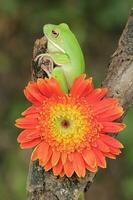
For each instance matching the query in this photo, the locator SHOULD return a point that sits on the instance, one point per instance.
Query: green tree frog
(64, 49)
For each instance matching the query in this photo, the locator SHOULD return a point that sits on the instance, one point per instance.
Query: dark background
(98, 26)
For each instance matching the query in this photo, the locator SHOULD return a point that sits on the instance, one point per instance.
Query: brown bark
(43, 185)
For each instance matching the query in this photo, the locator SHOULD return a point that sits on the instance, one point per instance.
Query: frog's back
(72, 48)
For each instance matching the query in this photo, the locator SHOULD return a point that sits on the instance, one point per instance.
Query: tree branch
(119, 78)
(43, 185)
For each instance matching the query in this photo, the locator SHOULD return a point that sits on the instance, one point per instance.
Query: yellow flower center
(66, 123)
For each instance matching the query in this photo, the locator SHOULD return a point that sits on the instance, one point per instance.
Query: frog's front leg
(59, 75)
(52, 64)
(60, 60)
(46, 63)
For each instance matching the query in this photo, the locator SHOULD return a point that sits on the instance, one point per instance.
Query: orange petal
(48, 157)
(55, 86)
(90, 168)
(70, 157)
(58, 168)
(34, 155)
(111, 114)
(102, 146)
(32, 88)
(49, 87)
(43, 150)
(62, 173)
(30, 144)
(32, 116)
(78, 164)
(110, 155)
(31, 98)
(112, 127)
(41, 163)
(96, 95)
(68, 168)
(115, 151)
(89, 158)
(27, 123)
(63, 157)
(104, 105)
(31, 110)
(78, 82)
(48, 166)
(84, 89)
(44, 87)
(111, 141)
(28, 135)
(101, 162)
(55, 158)
(89, 87)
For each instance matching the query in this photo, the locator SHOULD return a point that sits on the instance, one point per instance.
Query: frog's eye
(55, 33)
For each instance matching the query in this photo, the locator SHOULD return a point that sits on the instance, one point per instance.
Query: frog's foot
(46, 63)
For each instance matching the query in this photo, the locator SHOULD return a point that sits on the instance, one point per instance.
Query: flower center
(65, 123)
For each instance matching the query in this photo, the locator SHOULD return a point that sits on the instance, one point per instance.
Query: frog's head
(56, 35)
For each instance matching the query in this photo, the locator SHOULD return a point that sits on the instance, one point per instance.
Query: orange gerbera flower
(70, 131)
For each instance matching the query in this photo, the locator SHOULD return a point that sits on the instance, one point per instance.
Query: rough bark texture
(119, 78)
(43, 185)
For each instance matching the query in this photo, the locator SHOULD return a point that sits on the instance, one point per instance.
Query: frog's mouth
(53, 47)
